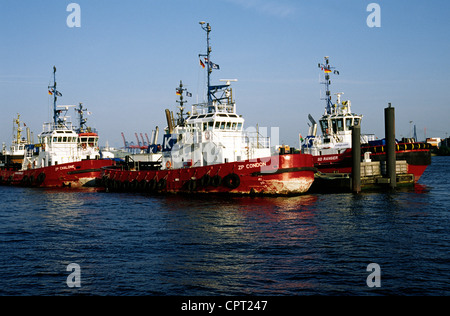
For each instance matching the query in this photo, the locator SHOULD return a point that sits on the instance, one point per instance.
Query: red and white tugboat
(63, 157)
(332, 150)
(208, 151)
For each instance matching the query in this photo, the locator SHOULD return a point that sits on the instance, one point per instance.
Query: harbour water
(315, 244)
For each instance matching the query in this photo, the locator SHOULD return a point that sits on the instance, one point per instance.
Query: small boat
(207, 150)
(332, 151)
(64, 156)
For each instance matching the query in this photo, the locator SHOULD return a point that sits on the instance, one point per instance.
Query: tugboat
(63, 157)
(207, 150)
(332, 151)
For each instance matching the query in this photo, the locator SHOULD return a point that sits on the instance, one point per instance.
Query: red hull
(76, 174)
(277, 175)
(417, 159)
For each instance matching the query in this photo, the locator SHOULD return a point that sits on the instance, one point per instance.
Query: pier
(368, 175)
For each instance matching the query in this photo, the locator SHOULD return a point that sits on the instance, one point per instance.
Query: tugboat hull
(85, 173)
(290, 174)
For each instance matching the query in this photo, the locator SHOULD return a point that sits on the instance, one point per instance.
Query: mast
(207, 29)
(180, 90)
(52, 90)
(327, 69)
(82, 121)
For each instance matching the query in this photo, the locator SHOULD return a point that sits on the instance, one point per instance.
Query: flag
(50, 92)
(327, 71)
(301, 138)
(202, 64)
(213, 65)
(179, 92)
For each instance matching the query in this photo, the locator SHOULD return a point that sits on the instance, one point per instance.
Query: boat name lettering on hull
(332, 158)
(65, 168)
(252, 165)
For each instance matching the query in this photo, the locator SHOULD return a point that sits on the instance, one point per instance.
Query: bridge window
(324, 125)
(348, 123)
(340, 125)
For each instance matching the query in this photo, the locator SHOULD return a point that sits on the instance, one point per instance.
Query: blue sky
(127, 58)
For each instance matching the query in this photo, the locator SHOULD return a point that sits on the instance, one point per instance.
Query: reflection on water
(133, 244)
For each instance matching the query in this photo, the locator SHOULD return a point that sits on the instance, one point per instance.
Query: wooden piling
(389, 121)
(356, 159)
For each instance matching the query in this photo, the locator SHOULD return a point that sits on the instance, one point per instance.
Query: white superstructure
(212, 133)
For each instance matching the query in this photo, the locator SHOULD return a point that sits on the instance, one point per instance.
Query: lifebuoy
(168, 164)
(207, 135)
(232, 181)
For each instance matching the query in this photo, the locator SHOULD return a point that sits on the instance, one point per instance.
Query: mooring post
(389, 121)
(356, 159)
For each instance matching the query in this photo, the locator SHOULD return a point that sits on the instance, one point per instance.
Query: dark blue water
(132, 244)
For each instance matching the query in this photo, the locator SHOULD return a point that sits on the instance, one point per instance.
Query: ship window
(348, 123)
(210, 125)
(356, 122)
(205, 126)
(55, 139)
(239, 126)
(233, 126)
(222, 125)
(59, 139)
(217, 125)
(340, 125)
(333, 125)
(64, 139)
(324, 125)
(228, 125)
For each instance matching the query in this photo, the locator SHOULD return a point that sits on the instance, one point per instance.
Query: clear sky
(127, 58)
